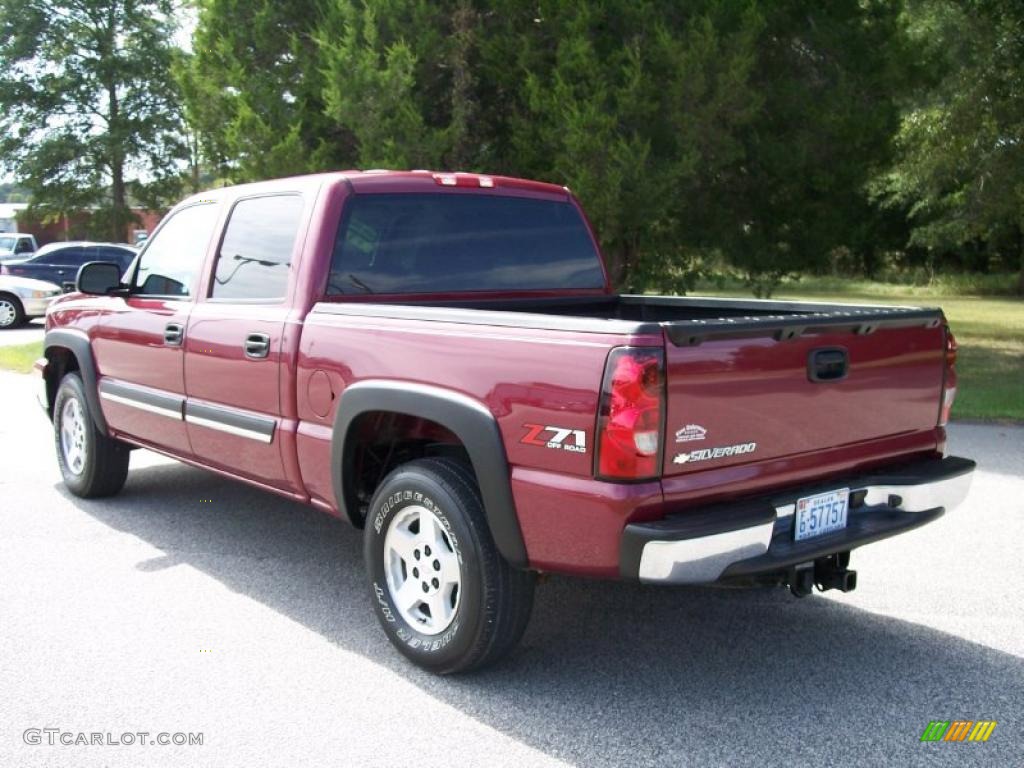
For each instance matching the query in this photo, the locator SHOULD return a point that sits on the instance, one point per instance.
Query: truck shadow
(610, 674)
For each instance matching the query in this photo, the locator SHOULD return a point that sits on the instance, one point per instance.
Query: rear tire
(12, 313)
(93, 465)
(446, 598)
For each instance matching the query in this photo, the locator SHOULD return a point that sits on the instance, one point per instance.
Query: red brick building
(76, 226)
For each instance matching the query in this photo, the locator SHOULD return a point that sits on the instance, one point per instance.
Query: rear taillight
(948, 379)
(631, 414)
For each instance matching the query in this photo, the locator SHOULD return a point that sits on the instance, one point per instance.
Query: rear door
(139, 342)
(739, 401)
(235, 343)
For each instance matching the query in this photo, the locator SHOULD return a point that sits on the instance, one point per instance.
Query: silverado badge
(703, 454)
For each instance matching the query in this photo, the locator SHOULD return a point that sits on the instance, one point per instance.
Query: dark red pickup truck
(438, 359)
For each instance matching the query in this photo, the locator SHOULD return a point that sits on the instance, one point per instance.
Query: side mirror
(99, 278)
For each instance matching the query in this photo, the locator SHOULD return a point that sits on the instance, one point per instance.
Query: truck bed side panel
(530, 381)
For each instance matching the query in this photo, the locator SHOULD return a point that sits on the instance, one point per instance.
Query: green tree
(829, 75)
(370, 84)
(959, 174)
(635, 106)
(691, 132)
(400, 81)
(87, 105)
(253, 89)
(702, 130)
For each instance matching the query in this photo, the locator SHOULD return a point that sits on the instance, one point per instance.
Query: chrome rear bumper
(756, 536)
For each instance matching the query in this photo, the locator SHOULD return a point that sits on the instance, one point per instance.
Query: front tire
(446, 598)
(93, 465)
(12, 313)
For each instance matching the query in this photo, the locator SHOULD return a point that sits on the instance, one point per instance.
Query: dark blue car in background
(59, 262)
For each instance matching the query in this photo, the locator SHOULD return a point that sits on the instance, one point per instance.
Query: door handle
(830, 364)
(257, 345)
(174, 333)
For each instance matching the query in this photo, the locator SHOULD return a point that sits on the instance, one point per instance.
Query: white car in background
(22, 298)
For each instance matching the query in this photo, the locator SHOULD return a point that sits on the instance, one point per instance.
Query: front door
(140, 340)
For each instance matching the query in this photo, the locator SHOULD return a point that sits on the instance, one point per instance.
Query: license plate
(821, 514)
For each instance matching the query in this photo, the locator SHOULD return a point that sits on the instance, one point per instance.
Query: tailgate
(735, 401)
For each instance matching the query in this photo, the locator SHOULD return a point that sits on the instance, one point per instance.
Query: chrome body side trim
(230, 420)
(159, 410)
(221, 418)
(142, 398)
(229, 428)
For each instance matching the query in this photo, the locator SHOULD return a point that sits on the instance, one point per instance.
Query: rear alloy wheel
(422, 570)
(12, 314)
(443, 593)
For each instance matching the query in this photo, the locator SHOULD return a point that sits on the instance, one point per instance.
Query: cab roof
(380, 180)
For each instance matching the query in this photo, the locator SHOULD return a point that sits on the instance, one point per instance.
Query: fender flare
(77, 343)
(470, 420)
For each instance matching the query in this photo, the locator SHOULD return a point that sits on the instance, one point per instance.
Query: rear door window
(255, 255)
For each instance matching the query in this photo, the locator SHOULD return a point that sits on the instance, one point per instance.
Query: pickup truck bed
(705, 337)
(440, 360)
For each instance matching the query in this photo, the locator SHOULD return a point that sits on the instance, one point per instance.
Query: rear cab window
(445, 242)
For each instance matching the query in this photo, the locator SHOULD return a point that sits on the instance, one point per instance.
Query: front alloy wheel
(72, 435)
(92, 463)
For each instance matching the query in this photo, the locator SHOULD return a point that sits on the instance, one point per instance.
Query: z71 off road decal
(574, 440)
(704, 454)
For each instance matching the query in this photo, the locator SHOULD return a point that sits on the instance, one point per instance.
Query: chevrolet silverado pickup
(439, 359)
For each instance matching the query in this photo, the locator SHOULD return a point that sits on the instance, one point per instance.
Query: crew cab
(439, 359)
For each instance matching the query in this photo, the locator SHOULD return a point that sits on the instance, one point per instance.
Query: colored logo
(573, 440)
(958, 730)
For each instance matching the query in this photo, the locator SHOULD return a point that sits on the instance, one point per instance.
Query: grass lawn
(20, 358)
(989, 330)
